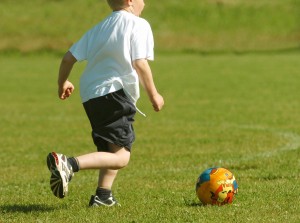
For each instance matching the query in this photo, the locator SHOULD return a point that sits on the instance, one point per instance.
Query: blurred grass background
(200, 26)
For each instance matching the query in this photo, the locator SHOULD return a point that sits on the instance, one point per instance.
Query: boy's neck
(128, 9)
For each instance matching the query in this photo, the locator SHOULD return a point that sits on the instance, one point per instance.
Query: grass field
(229, 72)
(236, 111)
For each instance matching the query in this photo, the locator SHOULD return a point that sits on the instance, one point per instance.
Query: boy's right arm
(145, 75)
(65, 87)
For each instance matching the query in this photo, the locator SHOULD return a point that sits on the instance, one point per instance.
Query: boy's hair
(116, 4)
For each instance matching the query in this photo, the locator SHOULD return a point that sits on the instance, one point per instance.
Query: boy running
(117, 51)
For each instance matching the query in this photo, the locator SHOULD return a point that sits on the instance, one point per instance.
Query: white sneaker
(61, 173)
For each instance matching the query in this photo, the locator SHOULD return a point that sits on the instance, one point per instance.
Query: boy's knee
(123, 157)
(123, 162)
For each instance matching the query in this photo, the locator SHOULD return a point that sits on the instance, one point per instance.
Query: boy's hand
(65, 90)
(157, 102)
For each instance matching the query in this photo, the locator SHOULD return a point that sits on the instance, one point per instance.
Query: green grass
(236, 111)
(207, 25)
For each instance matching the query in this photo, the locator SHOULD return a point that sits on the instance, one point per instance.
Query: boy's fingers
(157, 107)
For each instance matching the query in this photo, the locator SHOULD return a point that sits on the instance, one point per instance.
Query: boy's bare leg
(114, 160)
(119, 157)
(106, 178)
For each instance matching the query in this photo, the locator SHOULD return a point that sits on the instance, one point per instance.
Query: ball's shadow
(193, 203)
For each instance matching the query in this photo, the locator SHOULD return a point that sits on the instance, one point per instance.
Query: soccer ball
(216, 186)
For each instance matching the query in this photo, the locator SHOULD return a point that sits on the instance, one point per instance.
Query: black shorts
(111, 117)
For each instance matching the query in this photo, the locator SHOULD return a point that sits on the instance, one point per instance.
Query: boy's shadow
(25, 208)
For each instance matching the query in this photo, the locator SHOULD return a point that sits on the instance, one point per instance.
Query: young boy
(117, 51)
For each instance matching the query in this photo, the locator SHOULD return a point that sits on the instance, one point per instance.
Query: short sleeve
(142, 43)
(79, 49)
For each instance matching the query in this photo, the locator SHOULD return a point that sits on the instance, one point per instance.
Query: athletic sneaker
(61, 173)
(95, 201)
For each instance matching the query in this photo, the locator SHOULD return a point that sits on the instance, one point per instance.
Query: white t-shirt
(109, 48)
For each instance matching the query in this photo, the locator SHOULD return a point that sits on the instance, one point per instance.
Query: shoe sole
(56, 181)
